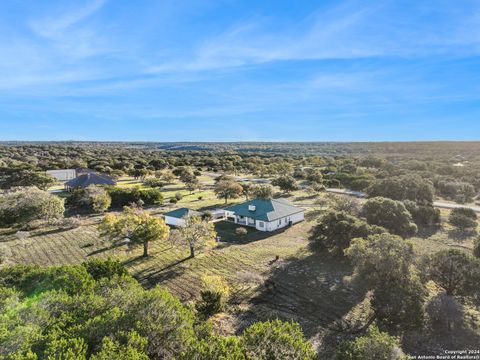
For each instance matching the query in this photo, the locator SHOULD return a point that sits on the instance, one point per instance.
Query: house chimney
(252, 207)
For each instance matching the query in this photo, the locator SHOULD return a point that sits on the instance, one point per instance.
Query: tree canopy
(336, 229)
(135, 226)
(390, 214)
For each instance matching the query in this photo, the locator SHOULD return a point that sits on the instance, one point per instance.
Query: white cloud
(54, 27)
(349, 31)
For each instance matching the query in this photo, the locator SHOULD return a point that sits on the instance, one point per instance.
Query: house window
(261, 224)
(280, 222)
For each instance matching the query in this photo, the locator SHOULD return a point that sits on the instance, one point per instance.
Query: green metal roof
(182, 213)
(266, 209)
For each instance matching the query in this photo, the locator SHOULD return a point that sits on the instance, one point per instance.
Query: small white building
(265, 214)
(63, 174)
(177, 217)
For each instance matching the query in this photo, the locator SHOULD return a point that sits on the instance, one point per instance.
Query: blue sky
(241, 70)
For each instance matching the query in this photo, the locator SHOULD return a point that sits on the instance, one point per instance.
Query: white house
(177, 217)
(265, 214)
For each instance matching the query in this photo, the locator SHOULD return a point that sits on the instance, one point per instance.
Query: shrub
(335, 230)
(173, 201)
(92, 197)
(276, 340)
(390, 214)
(332, 183)
(423, 215)
(123, 196)
(445, 313)
(21, 206)
(454, 270)
(241, 231)
(178, 196)
(374, 345)
(459, 191)
(104, 268)
(155, 183)
(262, 191)
(200, 197)
(409, 187)
(384, 263)
(463, 218)
(286, 183)
(213, 296)
(151, 196)
(127, 196)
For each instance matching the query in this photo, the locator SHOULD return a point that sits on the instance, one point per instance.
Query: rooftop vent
(252, 208)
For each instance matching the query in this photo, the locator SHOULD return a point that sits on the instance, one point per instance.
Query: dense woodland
(452, 168)
(97, 310)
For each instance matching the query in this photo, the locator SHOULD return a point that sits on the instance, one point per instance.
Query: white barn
(265, 214)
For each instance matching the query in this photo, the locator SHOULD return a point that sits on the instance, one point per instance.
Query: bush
(445, 313)
(461, 192)
(423, 215)
(276, 340)
(411, 188)
(24, 205)
(154, 183)
(93, 198)
(286, 183)
(127, 196)
(213, 296)
(123, 196)
(173, 201)
(335, 230)
(151, 196)
(264, 191)
(104, 268)
(241, 231)
(178, 196)
(463, 218)
(210, 303)
(390, 214)
(374, 345)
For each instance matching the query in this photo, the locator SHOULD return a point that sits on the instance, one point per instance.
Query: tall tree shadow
(152, 276)
(311, 291)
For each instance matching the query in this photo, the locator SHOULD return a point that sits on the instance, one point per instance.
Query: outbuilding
(177, 217)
